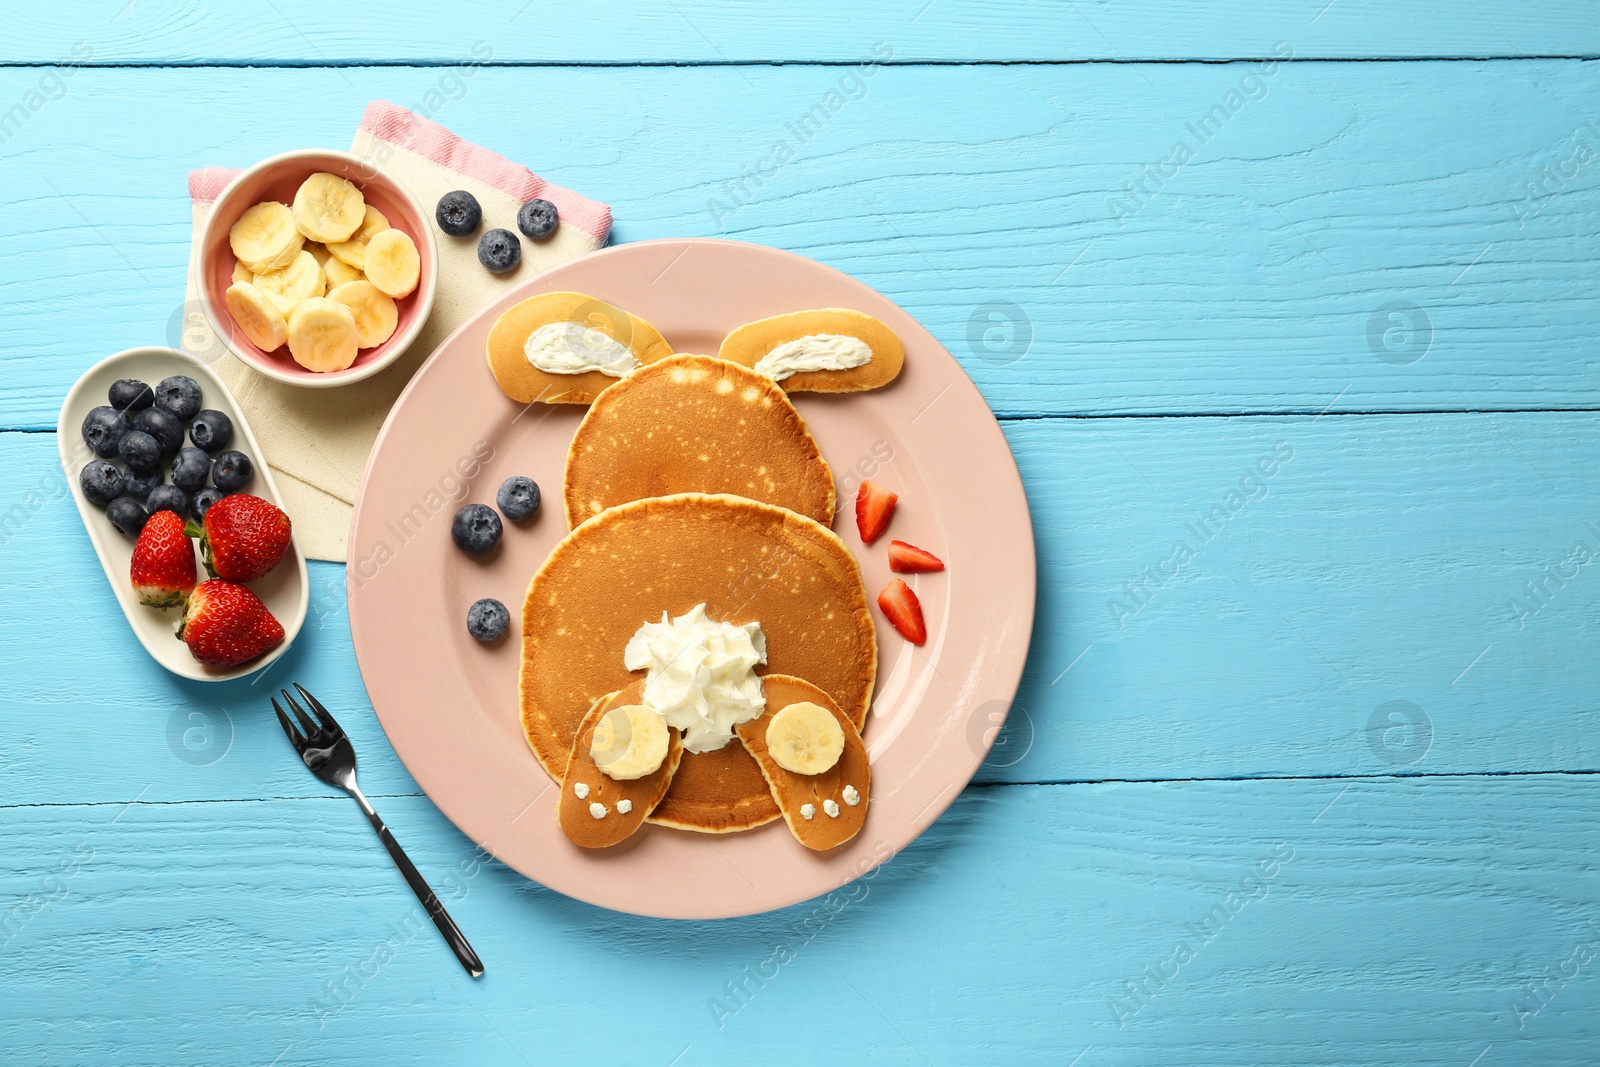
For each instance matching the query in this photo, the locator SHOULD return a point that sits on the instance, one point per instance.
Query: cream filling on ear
(817, 351)
(571, 348)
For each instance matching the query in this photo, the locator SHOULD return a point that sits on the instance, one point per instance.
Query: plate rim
(934, 809)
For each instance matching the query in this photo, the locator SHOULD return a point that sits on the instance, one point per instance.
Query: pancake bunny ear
(543, 348)
(829, 350)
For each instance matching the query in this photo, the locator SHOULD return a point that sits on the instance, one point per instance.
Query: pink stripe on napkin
(207, 183)
(411, 131)
(408, 130)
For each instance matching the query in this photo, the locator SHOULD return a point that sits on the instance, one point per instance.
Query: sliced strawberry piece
(907, 558)
(244, 537)
(874, 509)
(162, 570)
(225, 624)
(904, 611)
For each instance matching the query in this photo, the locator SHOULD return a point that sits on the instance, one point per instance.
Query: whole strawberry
(225, 624)
(244, 537)
(163, 569)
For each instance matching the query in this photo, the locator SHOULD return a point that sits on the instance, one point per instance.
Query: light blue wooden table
(1302, 382)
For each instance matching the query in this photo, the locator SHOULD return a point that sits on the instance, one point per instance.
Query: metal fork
(326, 750)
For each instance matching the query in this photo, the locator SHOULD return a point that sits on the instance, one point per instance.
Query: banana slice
(376, 315)
(629, 742)
(354, 251)
(294, 283)
(392, 263)
(265, 237)
(328, 208)
(254, 312)
(319, 250)
(339, 272)
(242, 273)
(322, 334)
(805, 738)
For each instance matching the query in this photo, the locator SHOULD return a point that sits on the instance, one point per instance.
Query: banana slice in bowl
(292, 230)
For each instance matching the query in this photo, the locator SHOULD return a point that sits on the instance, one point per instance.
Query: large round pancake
(695, 424)
(525, 383)
(747, 562)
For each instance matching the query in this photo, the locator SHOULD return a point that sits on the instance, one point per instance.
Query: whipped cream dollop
(573, 348)
(700, 674)
(815, 351)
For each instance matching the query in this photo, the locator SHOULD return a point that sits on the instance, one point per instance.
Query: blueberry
(211, 430)
(139, 451)
(130, 394)
(232, 471)
(190, 469)
(168, 498)
(164, 426)
(127, 516)
(476, 529)
(458, 213)
(487, 620)
(201, 502)
(103, 429)
(100, 481)
(518, 498)
(179, 394)
(140, 485)
(500, 251)
(538, 219)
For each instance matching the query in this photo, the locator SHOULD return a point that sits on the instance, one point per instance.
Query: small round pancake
(747, 344)
(747, 562)
(525, 383)
(695, 424)
(792, 791)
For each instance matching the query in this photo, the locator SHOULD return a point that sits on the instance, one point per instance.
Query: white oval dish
(286, 591)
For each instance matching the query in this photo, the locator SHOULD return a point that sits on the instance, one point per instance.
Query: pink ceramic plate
(449, 704)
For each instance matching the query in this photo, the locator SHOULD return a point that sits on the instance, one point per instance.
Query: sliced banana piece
(322, 334)
(339, 272)
(805, 738)
(629, 742)
(392, 263)
(319, 250)
(294, 283)
(242, 273)
(328, 208)
(376, 315)
(255, 313)
(354, 251)
(265, 237)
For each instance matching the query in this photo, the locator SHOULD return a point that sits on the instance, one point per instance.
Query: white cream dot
(831, 807)
(851, 797)
(598, 810)
(624, 806)
(580, 790)
(807, 810)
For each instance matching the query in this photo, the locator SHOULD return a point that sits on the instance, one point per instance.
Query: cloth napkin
(317, 440)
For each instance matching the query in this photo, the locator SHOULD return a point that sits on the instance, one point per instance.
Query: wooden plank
(1371, 922)
(562, 31)
(1260, 276)
(1380, 560)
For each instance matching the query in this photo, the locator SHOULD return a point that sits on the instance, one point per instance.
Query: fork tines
(308, 727)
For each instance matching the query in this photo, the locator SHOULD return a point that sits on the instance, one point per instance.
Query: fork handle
(441, 918)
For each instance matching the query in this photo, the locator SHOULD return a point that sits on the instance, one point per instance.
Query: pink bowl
(277, 178)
